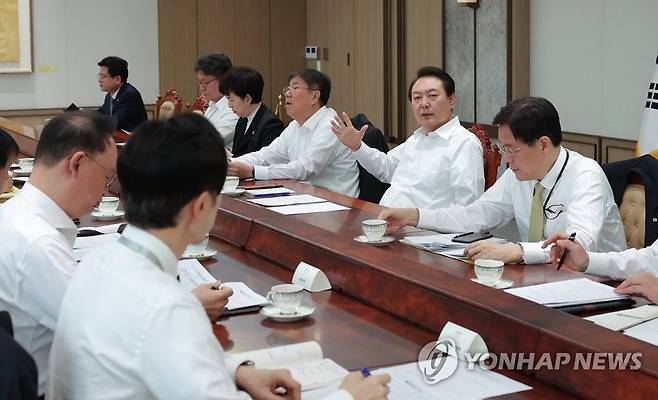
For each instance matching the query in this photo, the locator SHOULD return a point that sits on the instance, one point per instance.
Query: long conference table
(387, 302)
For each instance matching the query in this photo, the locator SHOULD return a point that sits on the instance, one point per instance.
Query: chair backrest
(632, 210)
(168, 104)
(491, 156)
(199, 106)
(370, 188)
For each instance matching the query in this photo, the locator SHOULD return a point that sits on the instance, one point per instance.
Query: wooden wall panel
(216, 27)
(617, 149)
(368, 59)
(519, 63)
(288, 38)
(177, 36)
(424, 44)
(589, 146)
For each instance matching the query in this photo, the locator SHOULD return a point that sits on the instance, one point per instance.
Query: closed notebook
(621, 320)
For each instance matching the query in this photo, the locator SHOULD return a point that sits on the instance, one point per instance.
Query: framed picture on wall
(15, 36)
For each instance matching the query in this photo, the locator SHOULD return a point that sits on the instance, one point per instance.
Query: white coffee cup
(489, 271)
(287, 297)
(197, 249)
(231, 183)
(108, 205)
(26, 164)
(374, 229)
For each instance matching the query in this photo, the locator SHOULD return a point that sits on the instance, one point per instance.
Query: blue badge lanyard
(138, 248)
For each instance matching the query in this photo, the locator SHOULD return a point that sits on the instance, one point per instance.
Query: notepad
(304, 360)
(309, 208)
(567, 293)
(621, 320)
(192, 274)
(287, 200)
(647, 332)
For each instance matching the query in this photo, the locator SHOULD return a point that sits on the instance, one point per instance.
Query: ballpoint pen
(365, 372)
(566, 252)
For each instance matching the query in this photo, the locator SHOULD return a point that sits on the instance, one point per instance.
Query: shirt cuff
(598, 264)
(232, 365)
(533, 253)
(339, 394)
(362, 152)
(426, 219)
(261, 173)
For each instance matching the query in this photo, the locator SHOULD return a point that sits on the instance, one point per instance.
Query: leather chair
(370, 188)
(491, 156)
(168, 105)
(632, 210)
(18, 372)
(199, 106)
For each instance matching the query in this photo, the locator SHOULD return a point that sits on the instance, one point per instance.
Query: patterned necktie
(536, 228)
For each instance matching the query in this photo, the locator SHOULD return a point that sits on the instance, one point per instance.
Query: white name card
(466, 341)
(310, 278)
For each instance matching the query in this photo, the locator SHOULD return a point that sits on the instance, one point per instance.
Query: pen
(260, 196)
(566, 252)
(463, 234)
(365, 372)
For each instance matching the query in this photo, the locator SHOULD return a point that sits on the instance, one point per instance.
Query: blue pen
(365, 372)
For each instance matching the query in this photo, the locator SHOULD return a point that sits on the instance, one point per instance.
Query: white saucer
(238, 191)
(14, 166)
(107, 217)
(207, 253)
(501, 284)
(21, 172)
(381, 242)
(275, 313)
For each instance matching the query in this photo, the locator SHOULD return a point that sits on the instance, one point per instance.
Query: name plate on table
(465, 341)
(310, 278)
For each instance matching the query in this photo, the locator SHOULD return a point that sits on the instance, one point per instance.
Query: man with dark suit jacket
(122, 101)
(257, 126)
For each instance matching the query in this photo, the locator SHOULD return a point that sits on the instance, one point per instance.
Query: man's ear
(452, 99)
(545, 143)
(73, 164)
(200, 203)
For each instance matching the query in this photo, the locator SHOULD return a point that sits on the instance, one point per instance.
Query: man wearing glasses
(210, 70)
(307, 149)
(546, 190)
(122, 101)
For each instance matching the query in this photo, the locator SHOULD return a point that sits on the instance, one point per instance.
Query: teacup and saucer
(286, 303)
(231, 188)
(490, 273)
(107, 209)
(373, 233)
(200, 250)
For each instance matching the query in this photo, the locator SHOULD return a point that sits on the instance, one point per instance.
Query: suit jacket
(264, 128)
(128, 109)
(370, 188)
(18, 372)
(618, 174)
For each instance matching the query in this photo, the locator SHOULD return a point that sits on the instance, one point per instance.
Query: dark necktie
(240, 129)
(112, 105)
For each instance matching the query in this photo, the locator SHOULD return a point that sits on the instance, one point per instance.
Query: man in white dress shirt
(307, 150)
(546, 189)
(440, 164)
(75, 161)
(209, 71)
(127, 329)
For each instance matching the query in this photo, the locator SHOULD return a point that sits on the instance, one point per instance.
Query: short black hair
(115, 66)
(215, 64)
(243, 81)
(530, 118)
(8, 148)
(89, 131)
(166, 164)
(315, 80)
(444, 77)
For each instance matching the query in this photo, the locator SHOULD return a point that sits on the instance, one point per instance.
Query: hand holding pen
(567, 253)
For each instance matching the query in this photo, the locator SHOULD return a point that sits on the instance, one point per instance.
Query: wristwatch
(247, 363)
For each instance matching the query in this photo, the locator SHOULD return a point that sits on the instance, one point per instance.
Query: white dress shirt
(309, 152)
(582, 193)
(36, 264)
(625, 264)
(430, 169)
(223, 119)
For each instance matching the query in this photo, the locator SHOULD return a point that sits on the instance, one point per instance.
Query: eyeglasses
(103, 76)
(553, 211)
(204, 84)
(293, 88)
(113, 175)
(508, 151)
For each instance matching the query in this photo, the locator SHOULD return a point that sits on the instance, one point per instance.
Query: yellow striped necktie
(536, 228)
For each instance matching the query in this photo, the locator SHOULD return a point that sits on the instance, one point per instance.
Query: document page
(269, 191)
(287, 200)
(647, 332)
(95, 241)
(309, 208)
(570, 292)
(620, 320)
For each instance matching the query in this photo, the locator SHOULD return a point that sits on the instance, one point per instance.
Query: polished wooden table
(428, 290)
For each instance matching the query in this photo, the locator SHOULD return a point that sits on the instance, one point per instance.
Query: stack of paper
(287, 200)
(309, 208)
(567, 293)
(620, 320)
(278, 191)
(83, 245)
(192, 274)
(440, 243)
(647, 332)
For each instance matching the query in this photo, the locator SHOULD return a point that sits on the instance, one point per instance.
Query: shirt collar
(551, 177)
(251, 116)
(314, 119)
(54, 215)
(443, 131)
(156, 246)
